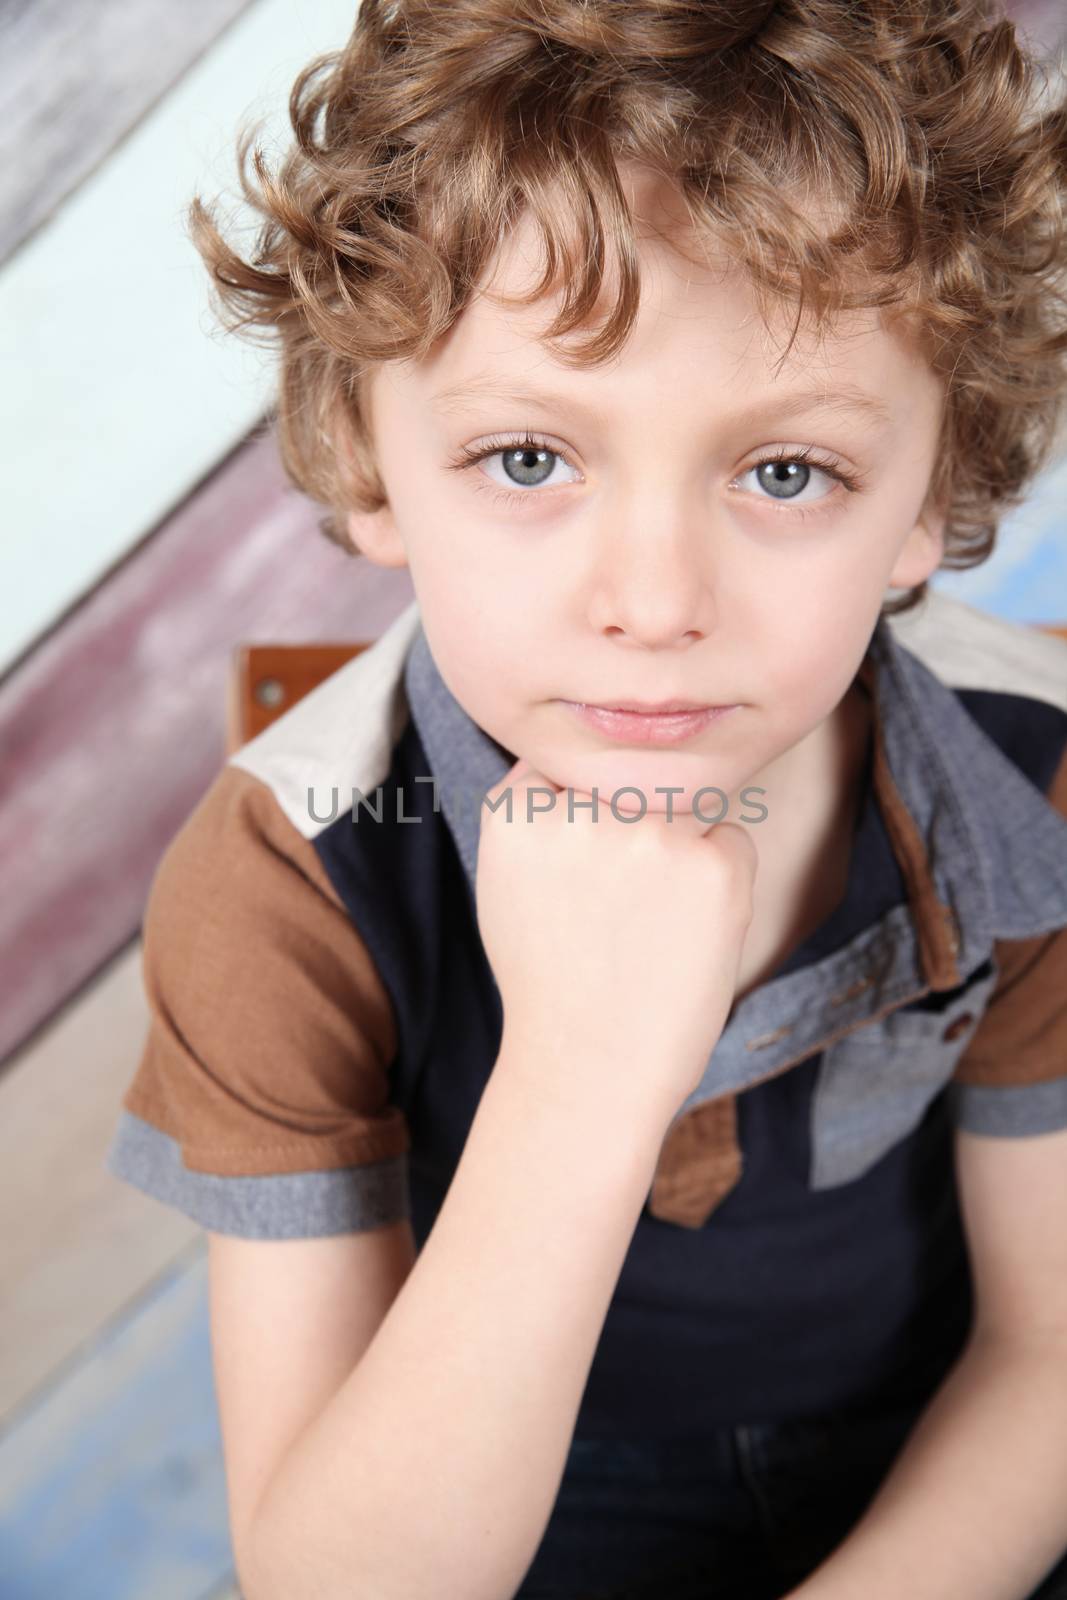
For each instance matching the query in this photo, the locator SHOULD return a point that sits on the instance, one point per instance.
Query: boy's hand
(615, 945)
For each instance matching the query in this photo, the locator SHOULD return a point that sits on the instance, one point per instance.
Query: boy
(681, 1188)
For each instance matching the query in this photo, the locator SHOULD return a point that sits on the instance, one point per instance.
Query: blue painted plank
(112, 1484)
(1025, 579)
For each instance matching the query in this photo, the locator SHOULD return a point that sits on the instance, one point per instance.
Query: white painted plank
(119, 393)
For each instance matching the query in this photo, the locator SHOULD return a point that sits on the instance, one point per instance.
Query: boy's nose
(655, 589)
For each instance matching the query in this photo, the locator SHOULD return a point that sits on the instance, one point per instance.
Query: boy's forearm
(435, 1468)
(975, 1506)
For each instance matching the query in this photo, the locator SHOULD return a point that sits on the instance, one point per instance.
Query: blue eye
(527, 464)
(786, 478)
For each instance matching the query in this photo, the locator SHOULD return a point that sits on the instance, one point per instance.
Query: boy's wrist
(587, 1083)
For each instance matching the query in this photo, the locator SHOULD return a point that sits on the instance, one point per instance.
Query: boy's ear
(375, 535)
(922, 552)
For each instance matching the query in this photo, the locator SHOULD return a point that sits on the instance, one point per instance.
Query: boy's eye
(524, 464)
(787, 474)
(529, 465)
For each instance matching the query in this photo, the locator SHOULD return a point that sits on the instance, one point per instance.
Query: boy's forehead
(692, 294)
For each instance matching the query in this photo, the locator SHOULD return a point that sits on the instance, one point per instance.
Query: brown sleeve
(271, 1033)
(1022, 1038)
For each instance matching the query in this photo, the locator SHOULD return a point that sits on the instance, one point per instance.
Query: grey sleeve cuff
(291, 1205)
(1009, 1112)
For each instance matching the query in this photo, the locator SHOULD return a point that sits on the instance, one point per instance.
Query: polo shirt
(324, 1021)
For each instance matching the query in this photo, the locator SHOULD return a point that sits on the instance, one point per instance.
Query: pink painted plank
(1043, 20)
(114, 726)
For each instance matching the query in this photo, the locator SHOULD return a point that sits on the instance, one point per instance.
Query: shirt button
(958, 1025)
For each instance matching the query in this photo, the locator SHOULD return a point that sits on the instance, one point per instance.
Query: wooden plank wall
(116, 725)
(119, 393)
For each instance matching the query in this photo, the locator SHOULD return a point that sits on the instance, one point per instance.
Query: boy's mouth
(670, 723)
(648, 708)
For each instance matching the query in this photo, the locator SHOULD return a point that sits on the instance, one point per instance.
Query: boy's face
(645, 555)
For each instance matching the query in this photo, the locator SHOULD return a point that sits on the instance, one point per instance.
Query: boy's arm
(435, 1467)
(975, 1506)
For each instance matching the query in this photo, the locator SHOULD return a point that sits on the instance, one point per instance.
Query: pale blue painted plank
(1038, 591)
(1025, 579)
(112, 1484)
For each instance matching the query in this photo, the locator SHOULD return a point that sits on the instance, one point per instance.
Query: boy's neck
(804, 844)
(812, 789)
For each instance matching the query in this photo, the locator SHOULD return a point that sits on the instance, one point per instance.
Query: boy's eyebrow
(844, 397)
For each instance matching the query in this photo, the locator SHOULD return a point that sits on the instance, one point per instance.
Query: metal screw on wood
(269, 692)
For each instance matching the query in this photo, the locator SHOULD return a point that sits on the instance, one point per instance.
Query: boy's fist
(615, 944)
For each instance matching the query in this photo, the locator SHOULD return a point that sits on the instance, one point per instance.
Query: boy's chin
(679, 814)
(682, 816)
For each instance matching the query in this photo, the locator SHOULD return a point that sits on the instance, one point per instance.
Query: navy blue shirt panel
(788, 1301)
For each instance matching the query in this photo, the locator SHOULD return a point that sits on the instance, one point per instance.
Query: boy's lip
(643, 727)
(647, 708)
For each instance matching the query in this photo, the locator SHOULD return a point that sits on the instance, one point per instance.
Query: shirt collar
(972, 834)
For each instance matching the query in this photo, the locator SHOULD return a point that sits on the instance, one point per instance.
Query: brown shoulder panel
(1022, 1038)
(271, 1033)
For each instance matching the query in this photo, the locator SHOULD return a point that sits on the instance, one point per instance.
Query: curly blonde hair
(940, 143)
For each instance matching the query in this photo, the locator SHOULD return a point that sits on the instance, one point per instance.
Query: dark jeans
(743, 1515)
